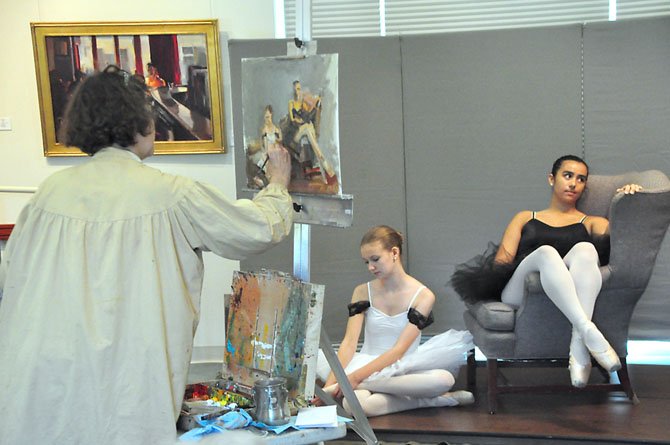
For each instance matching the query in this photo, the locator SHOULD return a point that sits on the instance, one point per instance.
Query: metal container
(271, 399)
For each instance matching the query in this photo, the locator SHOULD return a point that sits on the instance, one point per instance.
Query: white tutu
(447, 350)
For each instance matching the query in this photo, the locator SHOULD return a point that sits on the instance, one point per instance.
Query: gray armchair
(538, 332)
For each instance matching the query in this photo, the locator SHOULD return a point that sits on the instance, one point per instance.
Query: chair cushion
(493, 315)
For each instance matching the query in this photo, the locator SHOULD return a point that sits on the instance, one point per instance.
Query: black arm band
(358, 307)
(418, 319)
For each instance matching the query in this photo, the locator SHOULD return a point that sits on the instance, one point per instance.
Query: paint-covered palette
(273, 328)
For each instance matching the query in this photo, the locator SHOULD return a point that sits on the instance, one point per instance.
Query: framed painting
(179, 61)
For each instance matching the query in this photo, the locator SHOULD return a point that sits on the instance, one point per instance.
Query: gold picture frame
(179, 60)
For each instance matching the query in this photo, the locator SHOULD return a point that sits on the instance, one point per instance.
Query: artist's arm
(352, 334)
(510, 240)
(2, 277)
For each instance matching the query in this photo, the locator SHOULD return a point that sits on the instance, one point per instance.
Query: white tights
(572, 283)
(400, 393)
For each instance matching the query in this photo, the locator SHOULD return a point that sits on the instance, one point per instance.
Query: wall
(22, 163)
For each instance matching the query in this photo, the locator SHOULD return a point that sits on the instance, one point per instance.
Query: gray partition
(486, 114)
(627, 115)
(445, 137)
(371, 145)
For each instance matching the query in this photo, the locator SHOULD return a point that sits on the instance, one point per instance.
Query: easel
(301, 262)
(333, 211)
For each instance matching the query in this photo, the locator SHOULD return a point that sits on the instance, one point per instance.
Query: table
(306, 436)
(288, 437)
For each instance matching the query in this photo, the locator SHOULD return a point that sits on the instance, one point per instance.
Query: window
(348, 18)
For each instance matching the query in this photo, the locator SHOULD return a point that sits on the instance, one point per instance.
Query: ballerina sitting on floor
(393, 372)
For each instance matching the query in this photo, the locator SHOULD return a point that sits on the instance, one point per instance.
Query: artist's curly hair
(388, 236)
(107, 108)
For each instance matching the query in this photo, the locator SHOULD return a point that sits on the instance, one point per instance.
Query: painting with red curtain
(164, 51)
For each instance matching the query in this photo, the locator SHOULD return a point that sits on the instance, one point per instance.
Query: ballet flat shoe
(463, 397)
(579, 374)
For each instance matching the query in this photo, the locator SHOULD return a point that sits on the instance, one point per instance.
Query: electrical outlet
(5, 124)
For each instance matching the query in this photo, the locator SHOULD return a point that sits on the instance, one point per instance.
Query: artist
(103, 275)
(392, 372)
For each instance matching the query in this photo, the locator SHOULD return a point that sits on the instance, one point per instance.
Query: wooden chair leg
(492, 367)
(471, 370)
(625, 381)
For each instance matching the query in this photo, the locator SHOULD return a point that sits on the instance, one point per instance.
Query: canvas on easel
(293, 101)
(273, 329)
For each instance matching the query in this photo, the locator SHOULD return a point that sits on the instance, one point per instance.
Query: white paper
(317, 417)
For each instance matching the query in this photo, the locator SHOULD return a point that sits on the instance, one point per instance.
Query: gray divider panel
(627, 115)
(486, 114)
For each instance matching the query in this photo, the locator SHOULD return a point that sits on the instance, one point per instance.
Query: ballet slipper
(461, 398)
(600, 348)
(580, 361)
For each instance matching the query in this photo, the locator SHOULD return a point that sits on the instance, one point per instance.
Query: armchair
(537, 332)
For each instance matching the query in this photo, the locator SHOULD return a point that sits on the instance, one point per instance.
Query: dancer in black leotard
(559, 243)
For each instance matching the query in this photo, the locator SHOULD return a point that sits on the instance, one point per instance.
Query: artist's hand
(629, 189)
(278, 169)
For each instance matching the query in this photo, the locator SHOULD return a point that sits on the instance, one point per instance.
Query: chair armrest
(638, 224)
(493, 315)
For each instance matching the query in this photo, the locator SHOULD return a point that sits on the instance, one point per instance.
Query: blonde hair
(387, 236)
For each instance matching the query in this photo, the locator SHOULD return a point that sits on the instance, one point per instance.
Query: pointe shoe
(579, 374)
(600, 349)
(580, 361)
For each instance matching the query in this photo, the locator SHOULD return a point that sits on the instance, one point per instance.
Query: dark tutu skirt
(481, 278)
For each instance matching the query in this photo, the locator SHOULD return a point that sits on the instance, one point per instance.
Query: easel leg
(360, 424)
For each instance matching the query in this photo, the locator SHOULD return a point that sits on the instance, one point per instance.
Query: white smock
(443, 351)
(102, 282)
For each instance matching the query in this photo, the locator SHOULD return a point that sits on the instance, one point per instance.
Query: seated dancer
(559, 243)
(392, 372)
(303, 114)
(154, 80)
(257, 156)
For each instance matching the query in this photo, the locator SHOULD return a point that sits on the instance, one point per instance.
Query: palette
(273, 329)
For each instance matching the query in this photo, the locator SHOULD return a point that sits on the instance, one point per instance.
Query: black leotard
(482, 278)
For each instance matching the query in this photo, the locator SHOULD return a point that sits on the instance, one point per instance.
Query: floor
(538, 418)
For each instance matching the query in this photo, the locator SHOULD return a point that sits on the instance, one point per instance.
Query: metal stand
(301, 261)
(319, 210)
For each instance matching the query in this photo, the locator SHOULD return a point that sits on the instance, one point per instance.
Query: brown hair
(108, 108)
(387, 236)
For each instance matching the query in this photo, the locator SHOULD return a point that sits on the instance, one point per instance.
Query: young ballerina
(392, 372)
(559, 243)
(257, 154)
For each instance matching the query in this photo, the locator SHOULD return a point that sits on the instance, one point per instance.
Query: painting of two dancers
(293, 102)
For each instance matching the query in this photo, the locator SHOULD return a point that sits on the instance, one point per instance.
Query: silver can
(271, 400)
